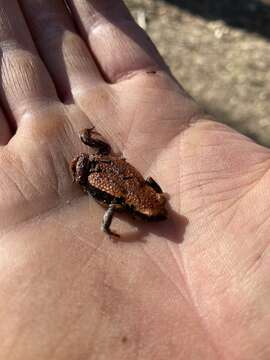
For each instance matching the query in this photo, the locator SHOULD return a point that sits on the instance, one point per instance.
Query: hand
(66, 290)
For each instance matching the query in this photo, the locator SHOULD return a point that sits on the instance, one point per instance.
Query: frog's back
(113, 178)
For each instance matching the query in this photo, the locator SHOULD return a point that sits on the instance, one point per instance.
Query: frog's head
(80, 167)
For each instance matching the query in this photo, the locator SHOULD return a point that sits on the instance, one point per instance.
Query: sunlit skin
(196, 286)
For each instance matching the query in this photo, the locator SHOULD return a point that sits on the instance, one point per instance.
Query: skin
(66, 290)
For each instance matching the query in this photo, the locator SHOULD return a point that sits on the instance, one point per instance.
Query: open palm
(193, 287)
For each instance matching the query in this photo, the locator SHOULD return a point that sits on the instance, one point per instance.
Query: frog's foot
(151, 182)
(112, 235)
(93, 139)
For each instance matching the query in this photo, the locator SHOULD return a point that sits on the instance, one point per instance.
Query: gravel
(220, 52)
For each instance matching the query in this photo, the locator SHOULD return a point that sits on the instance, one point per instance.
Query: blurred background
(220, 52)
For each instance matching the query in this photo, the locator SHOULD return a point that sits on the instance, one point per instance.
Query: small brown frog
(116, 184)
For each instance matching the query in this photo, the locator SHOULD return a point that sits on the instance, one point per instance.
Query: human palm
(193, 287)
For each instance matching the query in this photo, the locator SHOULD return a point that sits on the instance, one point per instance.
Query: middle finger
(65, 53)
(25, 82)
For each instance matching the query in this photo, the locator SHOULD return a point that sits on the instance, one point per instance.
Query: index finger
(118, 44)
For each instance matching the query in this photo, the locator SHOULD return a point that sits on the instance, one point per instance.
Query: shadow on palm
(173, 229)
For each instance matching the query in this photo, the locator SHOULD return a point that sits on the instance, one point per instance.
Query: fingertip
(118, 44)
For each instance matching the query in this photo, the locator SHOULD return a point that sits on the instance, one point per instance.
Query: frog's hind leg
(107, 220)
(93, 139)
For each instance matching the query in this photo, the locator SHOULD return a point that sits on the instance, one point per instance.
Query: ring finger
(65, 53)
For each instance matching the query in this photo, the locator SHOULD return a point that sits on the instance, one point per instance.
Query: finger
(118, 44)
(64, 52)
(25, 82)
(5, 131)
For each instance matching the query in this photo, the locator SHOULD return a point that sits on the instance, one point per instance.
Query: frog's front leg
(107, 220)
(93, 139)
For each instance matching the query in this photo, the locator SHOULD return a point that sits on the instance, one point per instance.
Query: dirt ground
(220, 52)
